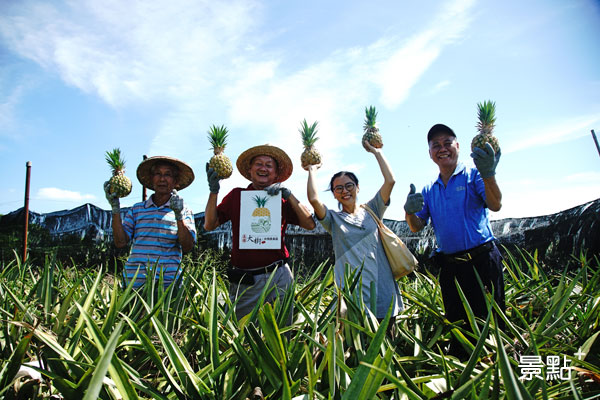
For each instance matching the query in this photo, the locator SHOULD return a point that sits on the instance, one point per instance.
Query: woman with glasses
(355, 234)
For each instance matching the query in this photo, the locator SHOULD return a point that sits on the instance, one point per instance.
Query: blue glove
(112, 198)
(213, 179)
(176, 204)
(276, 188)
(486, 160)
(414, 201)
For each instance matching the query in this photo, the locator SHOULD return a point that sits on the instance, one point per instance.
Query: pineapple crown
(261, 201)
(114, 159)
(486, 113)
(308, 133)
(217, 135)
(370, 117)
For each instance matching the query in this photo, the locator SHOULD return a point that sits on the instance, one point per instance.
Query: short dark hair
(350, 175)
(439, 128)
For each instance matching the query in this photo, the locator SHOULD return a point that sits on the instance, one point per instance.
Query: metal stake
(144, 187)
(596, 141)
(26, 210)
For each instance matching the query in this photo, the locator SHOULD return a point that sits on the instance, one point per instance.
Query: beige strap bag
(402, 261)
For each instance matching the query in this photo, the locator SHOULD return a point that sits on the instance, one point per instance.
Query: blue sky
(78, 78)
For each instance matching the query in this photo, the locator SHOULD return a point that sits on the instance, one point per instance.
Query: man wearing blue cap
(458, 203)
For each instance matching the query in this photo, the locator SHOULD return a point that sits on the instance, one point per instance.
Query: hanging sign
(260, 220)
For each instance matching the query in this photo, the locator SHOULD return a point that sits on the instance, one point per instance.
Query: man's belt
(262, 270)
(246, 276)
(468, 255)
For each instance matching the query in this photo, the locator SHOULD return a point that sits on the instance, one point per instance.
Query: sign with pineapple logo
(260, 220)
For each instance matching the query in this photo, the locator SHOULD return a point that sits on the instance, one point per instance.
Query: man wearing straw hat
(160, 228)
(266, 167)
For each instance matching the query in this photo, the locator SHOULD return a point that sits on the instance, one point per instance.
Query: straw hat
(284, 163)
(186, 174)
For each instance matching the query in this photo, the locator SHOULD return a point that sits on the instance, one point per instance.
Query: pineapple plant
(217, 136)
(119, 183)
(261, 216)
(371, 134)
(310, 155)
(486, 113)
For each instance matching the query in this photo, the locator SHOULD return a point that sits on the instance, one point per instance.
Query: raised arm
(311, 191)
(211, 219)
(119, 236)
(388, 176)
(493, 195)
(486, 161)
(304, 216)
(184, 235)
(303, 213)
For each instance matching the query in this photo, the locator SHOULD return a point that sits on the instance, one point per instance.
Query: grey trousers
(248, 295)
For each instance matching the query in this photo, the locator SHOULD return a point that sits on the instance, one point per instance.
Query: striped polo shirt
(153, 230)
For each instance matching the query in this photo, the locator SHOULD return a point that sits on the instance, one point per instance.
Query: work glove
(414, 201)
(112, 198)
(176, 205)
(213, 179)
(275, 188)
(486, 160)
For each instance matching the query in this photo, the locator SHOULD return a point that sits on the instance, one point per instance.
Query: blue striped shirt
(153, 231)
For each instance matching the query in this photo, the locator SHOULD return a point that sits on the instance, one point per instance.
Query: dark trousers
(489, 267)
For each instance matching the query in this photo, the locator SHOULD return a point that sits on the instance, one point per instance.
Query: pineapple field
(71, 332)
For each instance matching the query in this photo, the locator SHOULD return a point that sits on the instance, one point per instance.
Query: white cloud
(62, 194)
(267, 103)
(555, 132)
(440, 86)
(397, 73)
(547, 196)
(584, 177)
(12, 90)
(200, 57)
(129, 51)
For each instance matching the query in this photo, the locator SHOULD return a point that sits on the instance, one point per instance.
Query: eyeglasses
(348, 186)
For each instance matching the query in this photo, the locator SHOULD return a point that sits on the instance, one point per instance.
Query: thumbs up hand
(414, 201)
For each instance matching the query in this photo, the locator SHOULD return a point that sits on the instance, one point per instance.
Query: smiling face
(164, 179)
(443, 150)
(263, 171)
(345, 191)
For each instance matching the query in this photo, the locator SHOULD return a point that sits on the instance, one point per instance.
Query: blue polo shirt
(458, 213)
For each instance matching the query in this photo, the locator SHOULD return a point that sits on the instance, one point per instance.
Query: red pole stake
(144, 187)
(26, 209)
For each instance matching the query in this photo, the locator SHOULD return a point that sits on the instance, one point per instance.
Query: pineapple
(261, 216)
(119, 183)
(219, 162)
(486, 113)
(310, 155)
(372, 134)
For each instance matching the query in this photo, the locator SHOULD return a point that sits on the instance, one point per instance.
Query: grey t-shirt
(356, 240)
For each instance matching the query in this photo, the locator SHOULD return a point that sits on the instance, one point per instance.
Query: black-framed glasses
(348, 186)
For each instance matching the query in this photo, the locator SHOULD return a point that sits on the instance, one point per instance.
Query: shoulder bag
(402, 261)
